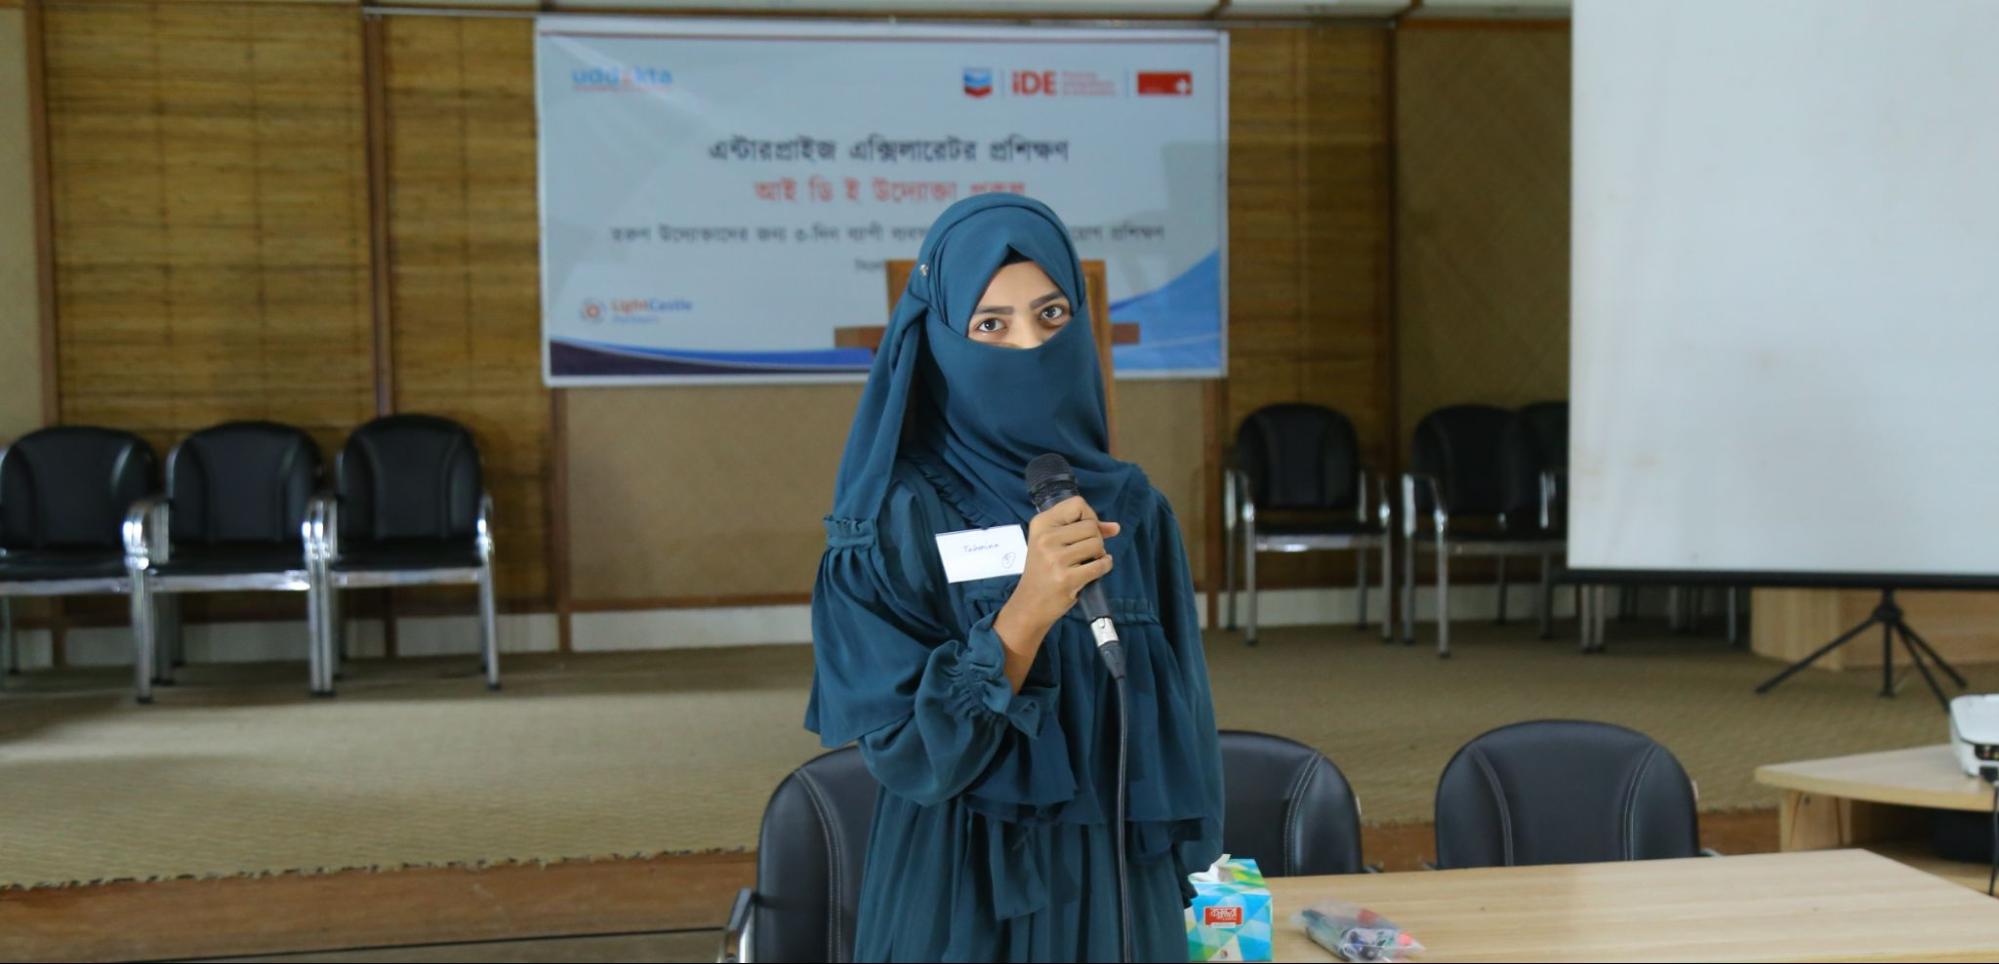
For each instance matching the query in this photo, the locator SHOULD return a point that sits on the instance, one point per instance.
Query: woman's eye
(987, 325)
(1054, 313)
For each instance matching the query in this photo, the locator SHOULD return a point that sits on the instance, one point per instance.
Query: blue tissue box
(1229, 919)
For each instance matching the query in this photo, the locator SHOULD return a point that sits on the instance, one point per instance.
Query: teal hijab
(982, 409)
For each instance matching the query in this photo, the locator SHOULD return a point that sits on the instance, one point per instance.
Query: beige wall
(1482, 215)
(20, 299)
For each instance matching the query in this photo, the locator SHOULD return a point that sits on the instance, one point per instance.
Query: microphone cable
(1123, 739)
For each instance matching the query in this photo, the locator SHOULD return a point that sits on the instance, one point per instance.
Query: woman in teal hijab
(981, 705)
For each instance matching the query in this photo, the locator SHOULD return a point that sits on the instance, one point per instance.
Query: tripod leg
(1941, 663)
(1917, 658)
(1792, 669)
(1887, 659)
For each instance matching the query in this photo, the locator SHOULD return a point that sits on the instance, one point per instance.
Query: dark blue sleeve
(930, 705)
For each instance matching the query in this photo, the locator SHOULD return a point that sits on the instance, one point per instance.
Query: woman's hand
(1065, 552)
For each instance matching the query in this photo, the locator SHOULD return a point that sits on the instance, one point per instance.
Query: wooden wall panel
(465, 303)
(1160, 428)
(20, 271)
(1482, 236)
(210, 230)
(703, 493)
(1308, 238)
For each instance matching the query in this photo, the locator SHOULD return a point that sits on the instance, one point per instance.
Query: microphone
(1050, 480)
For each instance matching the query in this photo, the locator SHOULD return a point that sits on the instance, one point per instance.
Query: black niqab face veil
(984, 410)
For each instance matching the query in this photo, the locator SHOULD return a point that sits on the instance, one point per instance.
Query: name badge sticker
(973, 554)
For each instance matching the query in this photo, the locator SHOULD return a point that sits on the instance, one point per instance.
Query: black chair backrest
(242, 482)
(68, 487)
(1288, 807)
(1542, 446)
(1467, 448)
(409, 477)
(1563, 792)
(1547, 426)
(1299, 456)
(809, 856)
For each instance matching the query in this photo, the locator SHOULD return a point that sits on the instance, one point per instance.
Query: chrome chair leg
(489, 636)
(1360, 588)
(142, 640)
(317, 682)
(1443, 598)
(1387, 587)
(1249, 579)
(10, 657)
(1409, 590)
(1547, 598)
(336, 636)
(1229, 552)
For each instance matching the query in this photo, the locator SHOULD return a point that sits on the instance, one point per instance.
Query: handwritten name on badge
(974, 554)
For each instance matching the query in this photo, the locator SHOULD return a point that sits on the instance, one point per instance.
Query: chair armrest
(145, 532)
(1552, 483)
(736, 933)
(1439, 513)
(1237, 504)
(484, 526)
(321, 529)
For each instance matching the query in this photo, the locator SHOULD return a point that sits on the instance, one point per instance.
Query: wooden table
(1816, 906)
(1876, 801)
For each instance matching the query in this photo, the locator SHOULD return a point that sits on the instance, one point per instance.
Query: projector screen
(1785, 289)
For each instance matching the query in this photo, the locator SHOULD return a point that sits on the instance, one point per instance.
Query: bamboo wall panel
(1308, 239)
(210, 199)
(1482, 180)
(20, 281)
(465, 302)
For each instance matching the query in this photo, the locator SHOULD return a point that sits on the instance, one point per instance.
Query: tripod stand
(1889, 616)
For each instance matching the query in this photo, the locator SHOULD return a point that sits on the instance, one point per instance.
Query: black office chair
(1475, 481)
(64, 492)
(1288, 807)
(1304, 462)
(1563, 792)
(810, 851)
(232, 520)
(408, 508)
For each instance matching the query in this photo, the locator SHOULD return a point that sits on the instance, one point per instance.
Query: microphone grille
(1042, 468)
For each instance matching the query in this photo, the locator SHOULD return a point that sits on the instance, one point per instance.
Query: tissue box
(1229, 919)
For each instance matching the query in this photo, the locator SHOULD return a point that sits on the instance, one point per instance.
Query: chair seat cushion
(227, 558)
(406, 554)
(37, 565)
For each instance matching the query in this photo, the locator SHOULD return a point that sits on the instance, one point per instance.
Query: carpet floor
(235, 771)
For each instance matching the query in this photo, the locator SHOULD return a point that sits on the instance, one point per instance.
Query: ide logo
(1223, 916)
(1031, 82)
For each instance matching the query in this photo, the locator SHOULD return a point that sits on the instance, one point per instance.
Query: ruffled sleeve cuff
(979, 683)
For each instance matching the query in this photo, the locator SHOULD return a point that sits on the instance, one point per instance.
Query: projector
(1974, 735)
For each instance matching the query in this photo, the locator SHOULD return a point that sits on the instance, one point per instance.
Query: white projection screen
(1785, 298)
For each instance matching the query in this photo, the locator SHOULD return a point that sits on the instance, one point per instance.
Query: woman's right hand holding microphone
(1065, 552)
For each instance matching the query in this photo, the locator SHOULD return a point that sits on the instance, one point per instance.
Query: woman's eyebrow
(1056, 295)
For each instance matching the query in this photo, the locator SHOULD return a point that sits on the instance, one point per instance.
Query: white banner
(718, 197)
